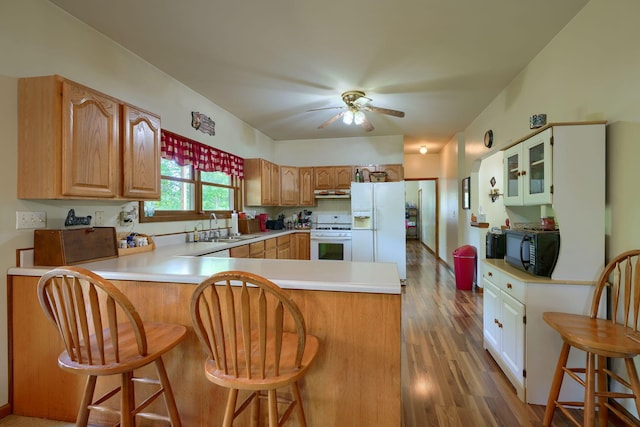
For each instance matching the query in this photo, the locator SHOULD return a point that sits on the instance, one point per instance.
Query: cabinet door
(536, 158)
(306, 187)
(289, 194)
(300, 246)
(512, 176)
(323, 177)
(491, 314)
(394, 172)
(343, 175)
(265, 182)
(239, 251)
(140, 154)
(274, 198)
(90, 138)
(512, 351)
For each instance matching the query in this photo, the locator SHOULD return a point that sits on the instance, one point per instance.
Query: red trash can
(465, 259)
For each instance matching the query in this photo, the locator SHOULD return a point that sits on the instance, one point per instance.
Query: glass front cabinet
(527, 171)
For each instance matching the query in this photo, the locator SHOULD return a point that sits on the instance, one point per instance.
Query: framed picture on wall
(466, 198)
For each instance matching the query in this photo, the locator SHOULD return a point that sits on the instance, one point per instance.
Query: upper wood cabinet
(333, 177)
(394, 172)
(306, 186)
(261, 183)
(289, 188)
(140, 154)
(71, 141)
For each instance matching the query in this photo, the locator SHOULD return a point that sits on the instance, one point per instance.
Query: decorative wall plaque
(203, 123)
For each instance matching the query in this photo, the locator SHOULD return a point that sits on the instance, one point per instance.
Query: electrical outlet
(99, 219)
(28, 220)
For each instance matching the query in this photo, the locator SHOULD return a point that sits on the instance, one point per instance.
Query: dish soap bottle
(196, 236)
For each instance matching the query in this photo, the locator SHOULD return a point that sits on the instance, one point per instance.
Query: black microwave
(533, 251)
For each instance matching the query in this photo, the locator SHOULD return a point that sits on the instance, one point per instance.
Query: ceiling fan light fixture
(358, 117)
(347, 119)
(423, 149)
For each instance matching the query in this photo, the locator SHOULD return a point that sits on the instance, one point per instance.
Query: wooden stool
(255, 339)
(104, 335)
(601, 339)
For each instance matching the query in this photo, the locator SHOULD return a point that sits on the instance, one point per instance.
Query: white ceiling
(268, 62)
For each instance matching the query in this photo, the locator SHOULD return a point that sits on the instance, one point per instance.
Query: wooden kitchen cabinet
(300, 246)
(395, 172)
(256, 250)
(271, 248)
(75, 143)
(261, 183)
(239, 251)
(333, 177)
(289, 186)
(284, 247)
(140, 154)
(306, 185)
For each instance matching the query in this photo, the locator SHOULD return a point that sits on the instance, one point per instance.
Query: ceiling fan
(356, 104)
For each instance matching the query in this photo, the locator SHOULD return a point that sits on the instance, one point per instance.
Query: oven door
(331, 248)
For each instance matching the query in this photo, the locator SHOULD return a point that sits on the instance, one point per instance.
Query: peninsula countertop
(194, 262)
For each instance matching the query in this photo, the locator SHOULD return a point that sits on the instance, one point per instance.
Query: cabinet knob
(490, 274)
(496, 321)
(509, 286)
(523, 173)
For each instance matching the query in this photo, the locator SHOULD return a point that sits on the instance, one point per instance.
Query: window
(195, 180)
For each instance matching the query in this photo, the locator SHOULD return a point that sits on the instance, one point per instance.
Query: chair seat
(594, 335)
(287, 374)
(161, 337)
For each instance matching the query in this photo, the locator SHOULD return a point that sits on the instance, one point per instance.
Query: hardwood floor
(448, 379)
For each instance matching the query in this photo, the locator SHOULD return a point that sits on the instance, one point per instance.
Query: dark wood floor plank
(448, 379)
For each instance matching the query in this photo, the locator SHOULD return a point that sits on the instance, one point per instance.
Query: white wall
(421, 166)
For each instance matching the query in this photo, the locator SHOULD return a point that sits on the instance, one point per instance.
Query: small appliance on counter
(496, 244)
(533, 251)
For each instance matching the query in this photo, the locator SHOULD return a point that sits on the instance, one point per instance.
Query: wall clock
(488, 138)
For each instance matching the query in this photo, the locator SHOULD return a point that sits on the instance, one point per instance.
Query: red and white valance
(187, 152)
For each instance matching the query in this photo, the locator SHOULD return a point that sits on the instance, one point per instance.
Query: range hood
(332, 194)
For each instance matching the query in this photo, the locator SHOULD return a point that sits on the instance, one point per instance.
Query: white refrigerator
(378, 223)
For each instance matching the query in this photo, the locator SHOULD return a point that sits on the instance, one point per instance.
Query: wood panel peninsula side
(355, 381)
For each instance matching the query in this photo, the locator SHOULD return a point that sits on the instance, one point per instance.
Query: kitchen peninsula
(354, 381)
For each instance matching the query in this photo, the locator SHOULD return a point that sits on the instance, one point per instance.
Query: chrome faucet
(211, 234)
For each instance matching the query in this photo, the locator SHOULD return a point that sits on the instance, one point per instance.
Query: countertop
(188, 263)
(505, 267)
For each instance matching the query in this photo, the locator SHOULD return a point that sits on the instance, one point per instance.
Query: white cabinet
(504, 326)
(527, 171)
(521, 343)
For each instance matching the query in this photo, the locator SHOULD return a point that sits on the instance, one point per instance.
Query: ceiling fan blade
(326, 108)
(366, 124)
(395, 113)
(331, 120)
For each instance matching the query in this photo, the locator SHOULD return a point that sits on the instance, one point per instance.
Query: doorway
(425, 193)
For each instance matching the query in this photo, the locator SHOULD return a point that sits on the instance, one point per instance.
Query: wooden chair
(104, 335)
(255, 339)
(601, 339)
